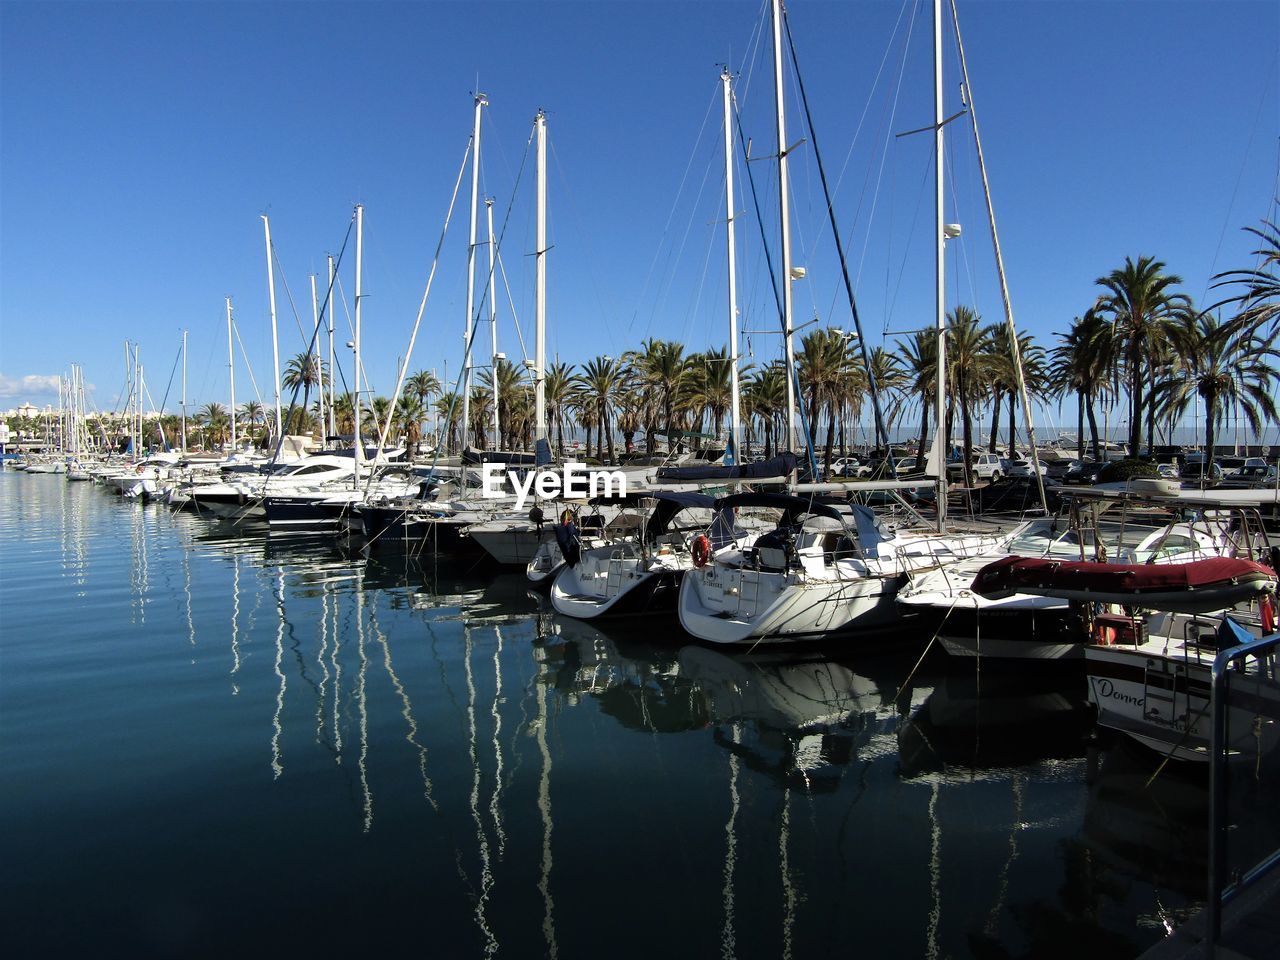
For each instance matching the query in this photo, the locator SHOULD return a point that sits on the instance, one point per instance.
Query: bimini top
(679, 499)
(861, 518)
(665, 509)
(791, 506)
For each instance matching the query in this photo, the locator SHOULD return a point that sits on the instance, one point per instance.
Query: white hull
(1163, 702)
(734, 605)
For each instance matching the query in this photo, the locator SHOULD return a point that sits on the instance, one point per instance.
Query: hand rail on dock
(1220, 891)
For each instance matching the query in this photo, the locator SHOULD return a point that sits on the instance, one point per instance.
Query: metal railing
(1220, 891)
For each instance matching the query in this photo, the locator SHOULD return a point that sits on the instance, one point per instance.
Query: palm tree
(1082, 365)
(251, 413)
(1143, 308)
(599, 382)
(663, 375)
(1003, 372)
(422, 386)
(920, 367)
(557, 389)
(306, 371)
(1259, 300)
(447, 406)
(765, 397)
(1228, 366)
(214, 417)
(823, 365)
(968, 365)
(410, 413)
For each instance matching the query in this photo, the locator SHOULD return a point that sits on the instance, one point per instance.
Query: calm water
(217, 744)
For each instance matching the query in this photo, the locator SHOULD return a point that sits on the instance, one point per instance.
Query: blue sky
(141, 142)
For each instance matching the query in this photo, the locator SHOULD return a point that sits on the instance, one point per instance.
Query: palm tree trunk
(1210, 438)
(1080, 425)
(966, 428)
(1093, 428)
(1135, 399)
(995, 421)
(1013, 433)
(831, 436)
(924, 430)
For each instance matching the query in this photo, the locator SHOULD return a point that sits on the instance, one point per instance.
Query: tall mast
(359, 446)
(939, 239)
(481, 101)
(332, 394)
(184, 393)
(315, 337)
(1004, 283)
(540, 289)
(493, 323)
(726, 80)
(784, 213)
(231, 373)
(275, 339)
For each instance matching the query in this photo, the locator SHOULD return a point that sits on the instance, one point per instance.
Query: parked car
(849, 467)
(1230, 465)
(1082, 472)
(1168, 471)
(1058, 469)
(1251, 475)
(1199, 472)
(1024, 468)
(986, 466)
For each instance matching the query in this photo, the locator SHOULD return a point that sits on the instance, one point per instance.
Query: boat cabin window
(313, 468)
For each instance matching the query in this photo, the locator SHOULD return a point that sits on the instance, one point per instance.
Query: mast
(359, 446)
(540, 289)
(1004, 284)
(275, 339)
(481, 101)
(332, 394)
(493, 324)
(184, 393)
(231, 371)
(315, 336)
(784, 213)
(939, 239)
(734, 403)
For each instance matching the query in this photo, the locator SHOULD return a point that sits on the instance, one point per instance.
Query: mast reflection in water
(214, 740)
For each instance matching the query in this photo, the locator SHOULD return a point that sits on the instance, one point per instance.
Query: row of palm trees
(1141, 350)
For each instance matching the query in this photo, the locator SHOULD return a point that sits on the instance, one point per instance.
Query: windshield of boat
(1122, 542)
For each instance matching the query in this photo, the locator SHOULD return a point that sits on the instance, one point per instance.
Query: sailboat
(829, 568)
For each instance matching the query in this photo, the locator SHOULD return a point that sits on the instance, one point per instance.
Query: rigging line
(1263, 90)
(1014, 346)
(670, 217)
(169, 385)
(475, 324)
(593, 275)
(678, 254)
(315, 335)
(515, 318)
(875, 83)
(422, 308)
(964, 250)
(288, 294)
(884, 154)
(777, 295)
(235, 328)
(902, 269)
(882, 436)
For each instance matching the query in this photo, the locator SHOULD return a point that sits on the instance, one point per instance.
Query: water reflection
(508, 754)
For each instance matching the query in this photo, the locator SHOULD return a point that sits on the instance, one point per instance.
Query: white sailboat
(828, 569)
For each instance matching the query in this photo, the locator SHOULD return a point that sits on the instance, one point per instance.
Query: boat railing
(1223, 888)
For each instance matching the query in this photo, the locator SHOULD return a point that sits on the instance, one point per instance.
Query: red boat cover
(1010, 575)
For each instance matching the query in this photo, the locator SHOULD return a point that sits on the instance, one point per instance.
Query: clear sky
(141, 142)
